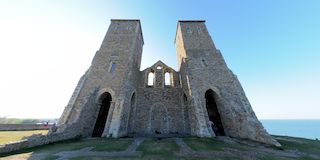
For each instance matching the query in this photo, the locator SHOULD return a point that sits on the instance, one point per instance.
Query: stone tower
(214, 92)
(204, 98)
(108, 84)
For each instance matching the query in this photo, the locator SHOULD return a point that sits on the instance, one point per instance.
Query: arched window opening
(159, 67)
(112, 67)
(130, 123)
(150, 79)
(105, 101)
(213, 113)
(167, 79)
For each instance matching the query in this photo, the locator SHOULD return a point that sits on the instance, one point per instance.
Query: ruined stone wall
(178, 107)
(160, 109)
(193, 119)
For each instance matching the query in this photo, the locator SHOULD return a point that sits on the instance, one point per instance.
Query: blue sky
(272, 46)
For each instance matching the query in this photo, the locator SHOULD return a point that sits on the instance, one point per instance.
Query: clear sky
(272, 46)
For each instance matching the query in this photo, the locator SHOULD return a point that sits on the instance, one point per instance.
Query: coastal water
(295, 128)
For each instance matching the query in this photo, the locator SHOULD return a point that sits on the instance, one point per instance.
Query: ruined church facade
(204, 98)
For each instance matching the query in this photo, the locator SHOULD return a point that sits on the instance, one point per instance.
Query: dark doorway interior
(103, 115)
(213, 113)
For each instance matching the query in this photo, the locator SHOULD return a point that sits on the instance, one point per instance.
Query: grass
(48, 151)
(301, 144)
(209, 144)
(112, 144)
(293, 143)
(99, 144)
(103, 158)
(284, 158)
(163, 148)
(10, 136)
(153, 148)
(154, 157)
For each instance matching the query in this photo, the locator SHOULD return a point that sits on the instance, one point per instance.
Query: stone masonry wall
(160, 109)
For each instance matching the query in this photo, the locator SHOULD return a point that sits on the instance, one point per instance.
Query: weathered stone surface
(179, 107)
(203, 68)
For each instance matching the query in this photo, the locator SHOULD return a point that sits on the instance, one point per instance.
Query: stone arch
(159, 67)
(213, 112)
(102, 91)
(151, 78)
(104, 102)
(167, 78)
(158, 119)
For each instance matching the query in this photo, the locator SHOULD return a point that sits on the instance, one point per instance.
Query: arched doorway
(213, 113)
(105, 100)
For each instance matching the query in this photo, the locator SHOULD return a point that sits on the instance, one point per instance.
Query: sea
(294, 127)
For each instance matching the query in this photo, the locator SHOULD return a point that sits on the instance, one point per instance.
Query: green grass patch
(11, 136)
(284, 158)
(216, 158)
(153, 148)
(209, 144)
(301, 144)
(163, 148)
(112, 144)
(153, 157)
(103, 158)
(99, 144)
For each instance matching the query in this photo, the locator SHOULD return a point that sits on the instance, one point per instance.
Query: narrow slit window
(204, 63)
(150, 79)
(167, 79)
(112, 67)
